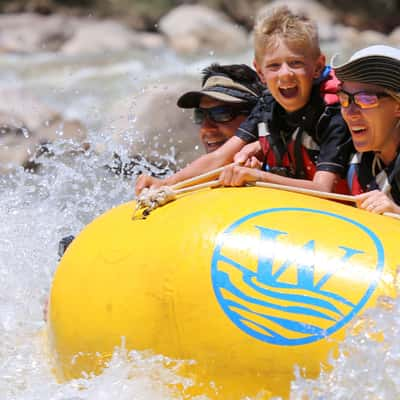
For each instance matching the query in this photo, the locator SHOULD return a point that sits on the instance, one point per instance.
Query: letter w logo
(304, 258)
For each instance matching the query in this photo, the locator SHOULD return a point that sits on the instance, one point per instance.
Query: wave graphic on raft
(283, 312)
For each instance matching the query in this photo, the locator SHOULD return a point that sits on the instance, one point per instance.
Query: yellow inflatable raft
(248, 282)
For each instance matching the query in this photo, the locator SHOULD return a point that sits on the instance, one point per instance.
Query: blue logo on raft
(294, 286)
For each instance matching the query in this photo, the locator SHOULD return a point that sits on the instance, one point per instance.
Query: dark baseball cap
(220, 87)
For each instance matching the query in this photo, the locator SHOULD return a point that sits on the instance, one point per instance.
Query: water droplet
(25, 132)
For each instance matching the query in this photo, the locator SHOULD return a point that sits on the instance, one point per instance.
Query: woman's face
(373, 129)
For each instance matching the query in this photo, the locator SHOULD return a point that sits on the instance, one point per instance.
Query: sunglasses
(364, 100)
(219, 114)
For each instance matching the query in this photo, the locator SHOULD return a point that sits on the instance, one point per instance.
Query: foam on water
(368, 364)
(37, 209)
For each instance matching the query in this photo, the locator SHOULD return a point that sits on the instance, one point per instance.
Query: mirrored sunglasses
(362, 99)
(219, 114)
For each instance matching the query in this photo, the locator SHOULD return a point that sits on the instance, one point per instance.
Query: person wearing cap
(226, 98)
(370, 104)
(222, 103)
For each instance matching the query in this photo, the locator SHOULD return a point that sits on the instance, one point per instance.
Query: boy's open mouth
(289, 92)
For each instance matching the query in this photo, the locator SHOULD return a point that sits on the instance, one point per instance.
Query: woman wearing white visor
(370, 101)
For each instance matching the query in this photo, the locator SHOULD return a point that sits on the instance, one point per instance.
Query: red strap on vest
(356, 188)
(309, 166)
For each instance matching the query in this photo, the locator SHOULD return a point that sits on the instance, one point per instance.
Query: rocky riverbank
(188, 28)
(380, 15)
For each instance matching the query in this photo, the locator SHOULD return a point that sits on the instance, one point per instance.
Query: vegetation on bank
(380, 15)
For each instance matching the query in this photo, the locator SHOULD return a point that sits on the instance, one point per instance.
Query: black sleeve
(248, 130)
(336, 146)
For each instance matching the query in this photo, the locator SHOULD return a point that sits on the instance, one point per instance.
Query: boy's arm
(205, 163)
(248, 152)
(323, 181)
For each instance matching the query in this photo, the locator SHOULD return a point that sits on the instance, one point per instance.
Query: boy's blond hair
(294, 29)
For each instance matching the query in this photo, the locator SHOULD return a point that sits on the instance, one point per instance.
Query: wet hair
(239, 73)
(281, 23)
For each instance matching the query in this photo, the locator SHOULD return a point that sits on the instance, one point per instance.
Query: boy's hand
(377, 202)
(253, 162)
(146, 181)
(247, 153)
(238, 176)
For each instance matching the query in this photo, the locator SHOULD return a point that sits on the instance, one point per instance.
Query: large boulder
(351, 39)
(16, 143)
(28, 33)
(108, 36)
(196, 28)
(394, 37)
(26, 124)
(154, 125)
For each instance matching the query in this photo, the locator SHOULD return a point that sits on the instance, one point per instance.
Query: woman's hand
(377, 202)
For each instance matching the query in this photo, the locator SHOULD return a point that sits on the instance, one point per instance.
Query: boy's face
(289, 73)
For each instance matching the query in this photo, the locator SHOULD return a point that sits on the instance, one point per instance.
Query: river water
(69, 190)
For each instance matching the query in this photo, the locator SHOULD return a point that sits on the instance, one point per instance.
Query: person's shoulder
(263, 106)
(331, 123)
(266, 97)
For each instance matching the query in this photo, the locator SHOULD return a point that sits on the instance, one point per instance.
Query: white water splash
(368, 364)
(69, 190)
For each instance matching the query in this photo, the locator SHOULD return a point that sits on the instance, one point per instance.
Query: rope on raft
(151, 198)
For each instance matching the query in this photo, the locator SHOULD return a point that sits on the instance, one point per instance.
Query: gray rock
(27, 33)
(156, 125)
(26, 124)
(394, 37)
(195, 28)
(108, 36)
(351, 39)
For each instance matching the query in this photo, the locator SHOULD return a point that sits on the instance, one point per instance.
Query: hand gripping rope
(151, 198)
